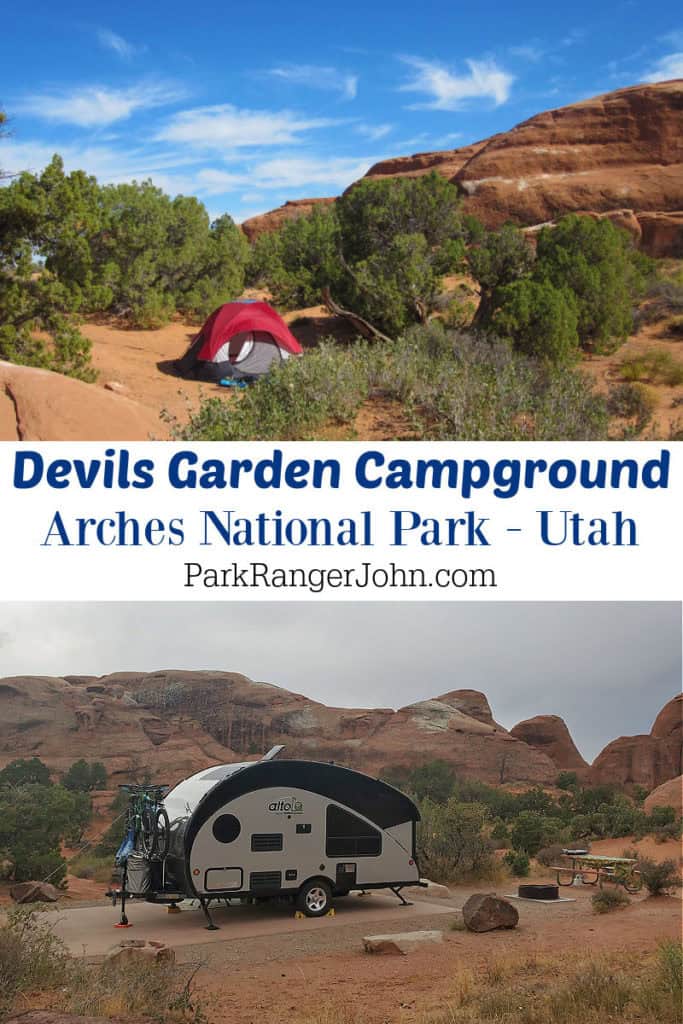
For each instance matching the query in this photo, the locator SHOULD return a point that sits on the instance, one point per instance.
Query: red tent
(240, 340)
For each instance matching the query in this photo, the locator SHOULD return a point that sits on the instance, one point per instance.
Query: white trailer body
(268, 828)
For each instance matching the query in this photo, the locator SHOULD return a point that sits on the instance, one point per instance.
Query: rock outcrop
(648, 760)
(274, 219)
(172, 723)
(549, 734)
(618, 155)
(669, 794)
(176, 722)
(38, 405)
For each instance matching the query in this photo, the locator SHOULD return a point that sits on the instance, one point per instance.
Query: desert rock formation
(38, 405)
(619, 154)
(550, 734)
(173, 723)
(176, 722)
(648, 760)
(274, 219)
(669, 794)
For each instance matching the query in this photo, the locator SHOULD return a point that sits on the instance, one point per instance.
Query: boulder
(669, 794)
(400, 943)
(34, 892)
(550, 734)
(485, 912)
(130, 950)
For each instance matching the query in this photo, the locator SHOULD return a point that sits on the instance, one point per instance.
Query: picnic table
(593, 869)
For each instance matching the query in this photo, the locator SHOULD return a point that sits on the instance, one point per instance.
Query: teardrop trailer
(301, 831)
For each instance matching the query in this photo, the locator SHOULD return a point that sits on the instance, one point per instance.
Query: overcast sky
(606, 668)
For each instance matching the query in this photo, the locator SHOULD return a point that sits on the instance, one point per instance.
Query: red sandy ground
(347, 984)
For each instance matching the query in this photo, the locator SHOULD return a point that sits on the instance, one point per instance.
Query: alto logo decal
(290, 805)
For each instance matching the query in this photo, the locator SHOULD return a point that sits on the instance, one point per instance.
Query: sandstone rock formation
(484, 913)
(550, 734)
(618, 155)
(34, 892)
(174, 723)
(274, 219)
(648, 760)
(37, 405)
(669, 722)
(669, 794)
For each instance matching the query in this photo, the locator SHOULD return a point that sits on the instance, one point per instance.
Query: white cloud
(120, 46)
(95, 106)
(109, 165)
(527, 52)
(449, 91)
(285, 172)
(314, 77)
(669, 66)
(374, 131)
(224, 127)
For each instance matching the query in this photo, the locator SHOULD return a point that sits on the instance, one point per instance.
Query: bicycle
(147, 820)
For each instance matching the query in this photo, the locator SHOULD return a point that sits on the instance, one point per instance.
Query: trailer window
(349, 836)
(226, 828)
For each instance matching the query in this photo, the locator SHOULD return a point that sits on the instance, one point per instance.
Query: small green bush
(518, 862)
(550, 855)
(655, 367)
(609, 899)
(659, 876)
(634, 402)
(32, 958)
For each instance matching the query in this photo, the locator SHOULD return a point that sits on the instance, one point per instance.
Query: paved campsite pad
(90, 931)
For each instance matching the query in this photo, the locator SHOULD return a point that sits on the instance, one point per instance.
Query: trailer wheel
(314, 898)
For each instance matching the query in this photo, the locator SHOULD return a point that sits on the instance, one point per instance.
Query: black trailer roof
(374, 799)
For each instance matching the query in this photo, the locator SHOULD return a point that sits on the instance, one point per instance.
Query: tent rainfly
(240, 340)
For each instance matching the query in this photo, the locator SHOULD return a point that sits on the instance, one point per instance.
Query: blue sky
(248, 106)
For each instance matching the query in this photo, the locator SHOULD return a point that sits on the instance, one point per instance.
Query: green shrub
(567, 780)
(539, 319)
(498, 259)
(34, 822)
(32, 958)
(597, 262)
(84, 776)
(632, 402)
(25, 771)
(432, 781)
(549, 856)
(655, 367)
(608, 899)
(518, 862)
(451, 842)
(659, 876)
(327, 384)
(453, 386)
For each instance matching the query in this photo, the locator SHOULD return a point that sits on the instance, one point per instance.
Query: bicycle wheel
(148, 835)
(163, 833)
